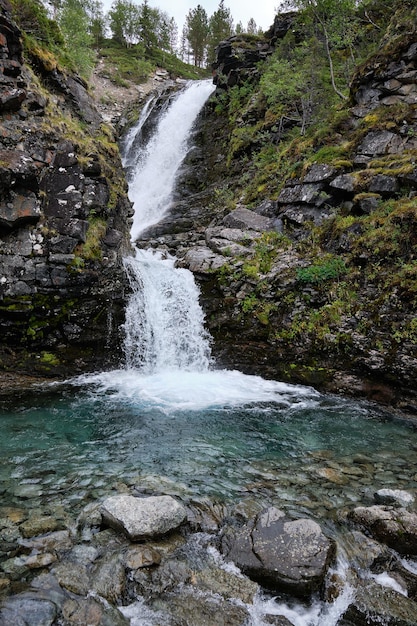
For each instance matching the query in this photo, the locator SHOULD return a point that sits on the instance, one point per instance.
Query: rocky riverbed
(172, 562)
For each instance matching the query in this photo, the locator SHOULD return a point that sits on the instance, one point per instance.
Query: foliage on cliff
(330, 150)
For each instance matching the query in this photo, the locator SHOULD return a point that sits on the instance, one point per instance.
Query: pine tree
(220, 28)
(124, 17)
(197, 30)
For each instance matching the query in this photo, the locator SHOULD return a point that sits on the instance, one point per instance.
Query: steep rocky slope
(307, 259)
(64, 217)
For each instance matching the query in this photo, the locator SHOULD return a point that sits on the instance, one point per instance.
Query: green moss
(48, 359)
(91, 250)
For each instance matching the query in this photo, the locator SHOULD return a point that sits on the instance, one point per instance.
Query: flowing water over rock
(226, 445)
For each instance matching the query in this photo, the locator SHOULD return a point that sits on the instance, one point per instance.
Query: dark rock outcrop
(64, 219)
(280, 553)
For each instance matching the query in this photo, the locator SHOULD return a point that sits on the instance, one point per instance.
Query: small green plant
(330, 268)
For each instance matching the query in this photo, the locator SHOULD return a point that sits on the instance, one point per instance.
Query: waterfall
(164, 328)
(151, 186)
(164, 321)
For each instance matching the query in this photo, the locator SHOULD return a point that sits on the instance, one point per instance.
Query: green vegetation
(327, 268)
(354, 275)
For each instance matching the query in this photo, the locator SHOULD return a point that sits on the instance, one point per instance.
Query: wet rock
(202, 260)
(276, 620)
(91, 611)
(365, 552)
(197, 609)
(107, 578)
(394, 497)
(375, 605)
(226, 583)
(73, 577)
(39, 526)
(141, 556)
(27, 609)
(170, 575)
(283, 554)
(396, 527)
(140, 518)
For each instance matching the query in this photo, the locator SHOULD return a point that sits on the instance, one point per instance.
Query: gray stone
(396, 527)
(27, 609)
(141, 556)
(376, 142)
(395, 497)
(73, 577)
(283, 554)
(195, 610)
(201, 259)
(369, 204)
(108, 579)
(92, 612)
(308, 194)
(245, 219)
(319, 172)
(374, 605)
(384, 185)
(39, 525)
(140, 518)
(59, 540)
(344, 182)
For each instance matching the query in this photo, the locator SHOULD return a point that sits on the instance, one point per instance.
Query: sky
(262, 11)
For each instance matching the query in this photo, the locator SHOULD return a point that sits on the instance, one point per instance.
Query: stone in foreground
(142, 518)
(280, 553)
(396, 527)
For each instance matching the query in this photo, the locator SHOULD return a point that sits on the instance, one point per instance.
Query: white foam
(182, 390)
(385, 580)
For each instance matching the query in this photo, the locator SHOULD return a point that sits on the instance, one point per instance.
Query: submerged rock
(280, 553)
(140, 518)
(28, 609)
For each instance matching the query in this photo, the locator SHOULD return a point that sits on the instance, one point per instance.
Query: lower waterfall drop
(164, 326)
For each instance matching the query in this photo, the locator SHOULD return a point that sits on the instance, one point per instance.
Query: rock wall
(351, 331)
(64, 218)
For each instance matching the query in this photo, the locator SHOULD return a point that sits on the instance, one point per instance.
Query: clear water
(218, 434)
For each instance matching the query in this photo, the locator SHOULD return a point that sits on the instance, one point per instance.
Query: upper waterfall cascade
(164, 326)
(158, 162)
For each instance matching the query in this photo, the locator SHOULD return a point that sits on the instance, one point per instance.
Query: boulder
(202, 260)
(28, 609)
(304, 194)
(280, 553)
(394, 497)
(141, 518)
(374, 605)
(246, 219)
(396, 527)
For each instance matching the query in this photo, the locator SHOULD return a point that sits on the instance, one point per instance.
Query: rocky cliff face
(314, 283)
(64, 217)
